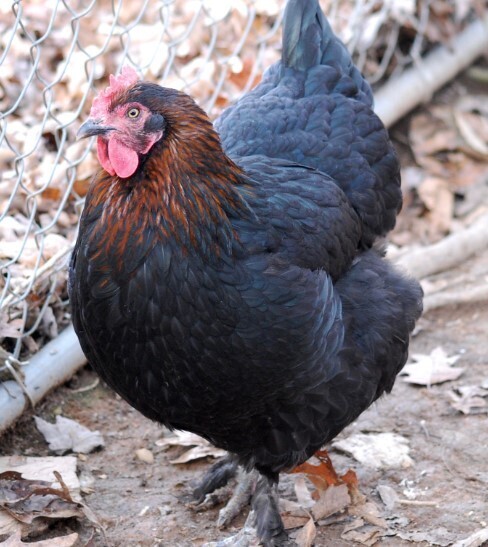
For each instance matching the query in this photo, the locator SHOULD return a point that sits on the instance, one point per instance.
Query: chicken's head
(125, 127)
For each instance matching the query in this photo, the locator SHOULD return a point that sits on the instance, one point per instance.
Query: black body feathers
(242, 299)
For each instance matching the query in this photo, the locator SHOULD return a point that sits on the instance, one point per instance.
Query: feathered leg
(217, 476)
(269, 526)
(263, 523)
(242, 495)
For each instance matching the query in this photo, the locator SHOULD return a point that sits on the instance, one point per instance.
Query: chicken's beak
(91, 128)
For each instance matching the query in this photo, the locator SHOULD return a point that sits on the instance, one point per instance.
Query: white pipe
(53, 365)
(60, 359)
(417, 84)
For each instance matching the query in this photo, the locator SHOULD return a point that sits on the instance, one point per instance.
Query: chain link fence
(54, 55)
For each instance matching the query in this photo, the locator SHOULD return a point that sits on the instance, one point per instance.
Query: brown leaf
(471, 118)
(202, 448)
(293, 521)
(25, 499)
(369, 511)
(332, 500)
(368, 535)
(439, 200)
(62, 541)
(10, 328)
(241, 78)
(81, 187)
(293, 514)
(306, 535)
(52, 194)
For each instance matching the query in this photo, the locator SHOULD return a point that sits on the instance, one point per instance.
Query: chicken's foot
(246, 485)
(216, 477)
(263, 524)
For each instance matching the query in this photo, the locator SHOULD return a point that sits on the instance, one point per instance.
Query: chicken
(228, 280)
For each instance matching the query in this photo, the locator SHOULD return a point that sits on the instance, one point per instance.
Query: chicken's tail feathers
(308, 41)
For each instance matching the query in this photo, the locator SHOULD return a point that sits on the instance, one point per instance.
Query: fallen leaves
(35, 493)
(450, 146)
(66, 435)
(360, 532)
(339, 498)
(477, 539)
(306, 536)
(377, 450)
(61, 541)
(200, 448)
(470, 399)
(434, 368)
(332, 500)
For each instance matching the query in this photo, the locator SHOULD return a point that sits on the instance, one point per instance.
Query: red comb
(127, 78)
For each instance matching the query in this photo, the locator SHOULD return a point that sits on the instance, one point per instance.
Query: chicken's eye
(133, 113)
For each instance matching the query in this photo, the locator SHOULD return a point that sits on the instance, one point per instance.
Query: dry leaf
(388, 496)
(61, 541)
(377, 450)
(437, 536)
(470, 399)
(434, 368)
(471, 118)
(369, 512)
(478, 539)
(10, 328)
(302, 492)
(293, 514)
(332, 500)
(67, 434)
(306, 535)
(292, 521)
(43, 468)
(439, 200)
(201, 447)
(367, 535)
(26, 503)
(198, 452)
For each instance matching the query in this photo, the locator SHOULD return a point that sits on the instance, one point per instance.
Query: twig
(467, 296)
(447, 253)
(419, 503)
(418, 84)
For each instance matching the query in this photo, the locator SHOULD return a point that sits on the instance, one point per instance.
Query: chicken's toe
(249, 537)
(240, 498)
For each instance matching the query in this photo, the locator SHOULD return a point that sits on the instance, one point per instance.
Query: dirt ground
(141, 504)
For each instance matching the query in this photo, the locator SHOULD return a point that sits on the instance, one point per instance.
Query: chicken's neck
(181, 197)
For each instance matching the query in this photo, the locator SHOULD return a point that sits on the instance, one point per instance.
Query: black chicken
(225, 279)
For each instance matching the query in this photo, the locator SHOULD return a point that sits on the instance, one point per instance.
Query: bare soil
(141, 504)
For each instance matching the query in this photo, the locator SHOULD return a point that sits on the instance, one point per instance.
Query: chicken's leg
(264, 522)
(217, 476)
(242, 495)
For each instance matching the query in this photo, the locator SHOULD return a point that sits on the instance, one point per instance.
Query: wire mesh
(54, 55)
